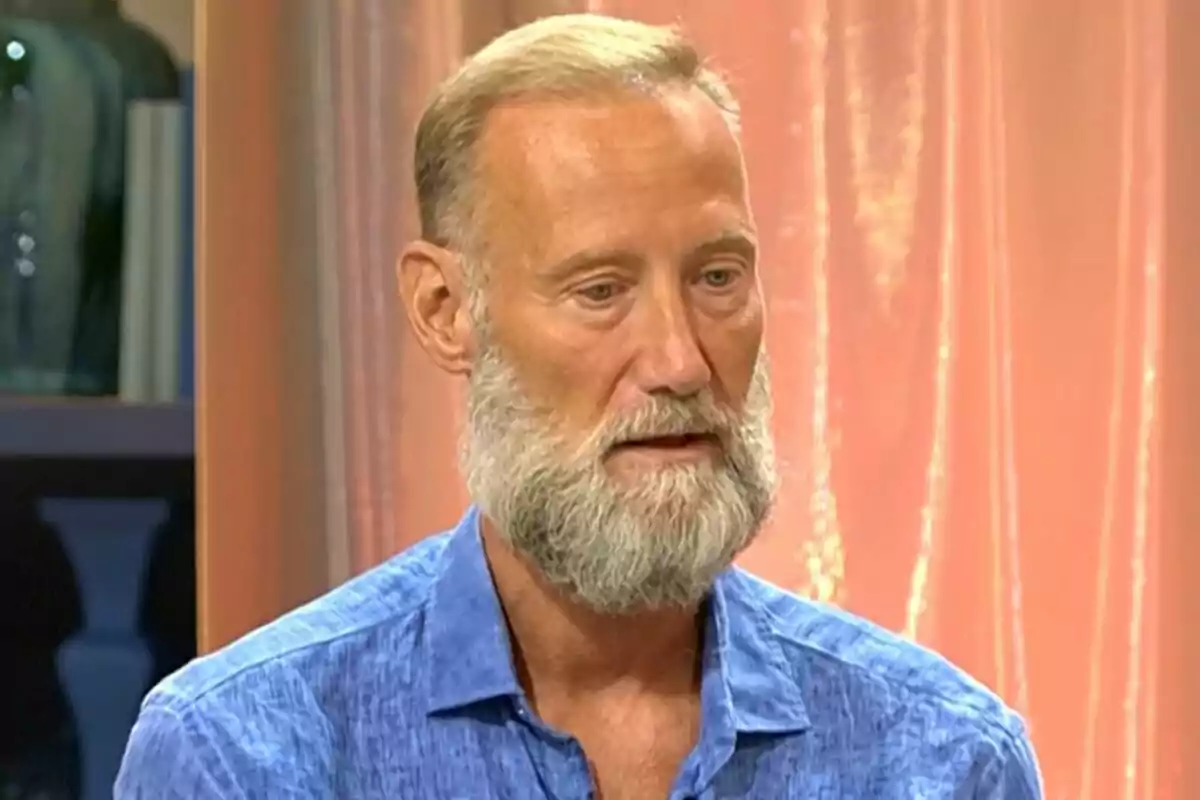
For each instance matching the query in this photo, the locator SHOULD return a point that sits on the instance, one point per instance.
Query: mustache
(661, 416)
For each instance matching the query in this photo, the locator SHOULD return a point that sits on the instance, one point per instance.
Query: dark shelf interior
(41, 605)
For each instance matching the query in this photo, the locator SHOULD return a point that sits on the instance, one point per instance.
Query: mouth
(674, 447)
(671, 441)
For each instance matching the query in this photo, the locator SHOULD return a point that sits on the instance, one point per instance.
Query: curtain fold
(962, 210)
(373, 63)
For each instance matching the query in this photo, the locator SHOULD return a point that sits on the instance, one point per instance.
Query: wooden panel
(260, 549)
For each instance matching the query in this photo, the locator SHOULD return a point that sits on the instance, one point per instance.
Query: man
(588, 263)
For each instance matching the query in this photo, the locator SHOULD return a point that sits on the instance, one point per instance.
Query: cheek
(588, 388)
(574, 379)
(733, 351)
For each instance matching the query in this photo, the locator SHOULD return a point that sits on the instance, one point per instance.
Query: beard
(657, 540)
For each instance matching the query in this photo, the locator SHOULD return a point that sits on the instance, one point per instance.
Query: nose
(671, 359)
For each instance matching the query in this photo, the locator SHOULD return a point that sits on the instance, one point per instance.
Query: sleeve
(166, 759)
(1014, 775)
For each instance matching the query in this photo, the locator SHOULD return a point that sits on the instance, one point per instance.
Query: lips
(671, 441)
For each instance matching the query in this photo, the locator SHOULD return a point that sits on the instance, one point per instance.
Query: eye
(719, 277)
(599, 293)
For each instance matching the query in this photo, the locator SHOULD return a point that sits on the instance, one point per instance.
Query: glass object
(68, 70)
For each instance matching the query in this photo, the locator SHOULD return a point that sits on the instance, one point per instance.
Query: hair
(565, 56)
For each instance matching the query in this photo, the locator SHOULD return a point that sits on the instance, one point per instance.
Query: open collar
(747, 681)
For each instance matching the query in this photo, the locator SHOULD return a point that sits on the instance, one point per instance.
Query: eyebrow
(736, 242)
(739, 243)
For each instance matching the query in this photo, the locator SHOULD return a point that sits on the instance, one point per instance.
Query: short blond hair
(559, 56)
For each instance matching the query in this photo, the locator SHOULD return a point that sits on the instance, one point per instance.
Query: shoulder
(852, 672)
(289, 681)
(355, 618)
(835, 645)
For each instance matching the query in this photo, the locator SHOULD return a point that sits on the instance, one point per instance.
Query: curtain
(978, 264)
(962, 214)
(392, 430)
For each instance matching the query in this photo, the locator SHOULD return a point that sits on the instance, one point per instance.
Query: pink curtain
(390, 416)
(962, 208)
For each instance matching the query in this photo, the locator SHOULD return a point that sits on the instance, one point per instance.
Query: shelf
(95, 428)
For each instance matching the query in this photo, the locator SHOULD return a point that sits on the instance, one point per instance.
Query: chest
(635, 764)
(507, 758)
(521, 757)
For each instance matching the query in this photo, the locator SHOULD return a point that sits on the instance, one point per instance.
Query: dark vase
(68, 70)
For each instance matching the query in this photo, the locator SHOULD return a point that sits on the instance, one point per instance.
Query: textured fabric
(400, 684)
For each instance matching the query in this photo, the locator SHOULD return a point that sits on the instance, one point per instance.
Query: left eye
(718, 278)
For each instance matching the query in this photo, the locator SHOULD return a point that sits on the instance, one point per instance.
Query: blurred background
(982, 279)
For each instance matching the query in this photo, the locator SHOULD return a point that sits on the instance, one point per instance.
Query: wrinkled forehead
(553, 172)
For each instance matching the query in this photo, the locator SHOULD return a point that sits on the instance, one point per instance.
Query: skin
(621, 263)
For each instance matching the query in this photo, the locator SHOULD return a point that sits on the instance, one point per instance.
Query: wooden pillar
(260, 542)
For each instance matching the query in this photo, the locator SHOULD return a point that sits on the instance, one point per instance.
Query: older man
(588, 263)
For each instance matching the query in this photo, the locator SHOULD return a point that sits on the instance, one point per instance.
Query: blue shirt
(400, 684)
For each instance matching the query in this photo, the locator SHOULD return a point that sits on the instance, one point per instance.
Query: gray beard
(618, 547)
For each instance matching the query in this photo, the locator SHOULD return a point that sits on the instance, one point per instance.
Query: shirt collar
(764, 689)
(469, 657)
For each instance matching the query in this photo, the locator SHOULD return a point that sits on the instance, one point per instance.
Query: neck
(571, 653)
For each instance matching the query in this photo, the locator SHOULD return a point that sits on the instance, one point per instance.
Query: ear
(433, 292)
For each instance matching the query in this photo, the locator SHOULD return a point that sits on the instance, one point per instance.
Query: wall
(172, 20)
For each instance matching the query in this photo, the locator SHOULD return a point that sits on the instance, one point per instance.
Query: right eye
(599, 293)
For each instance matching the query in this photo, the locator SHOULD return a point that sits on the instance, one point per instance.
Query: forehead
(617, 168)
